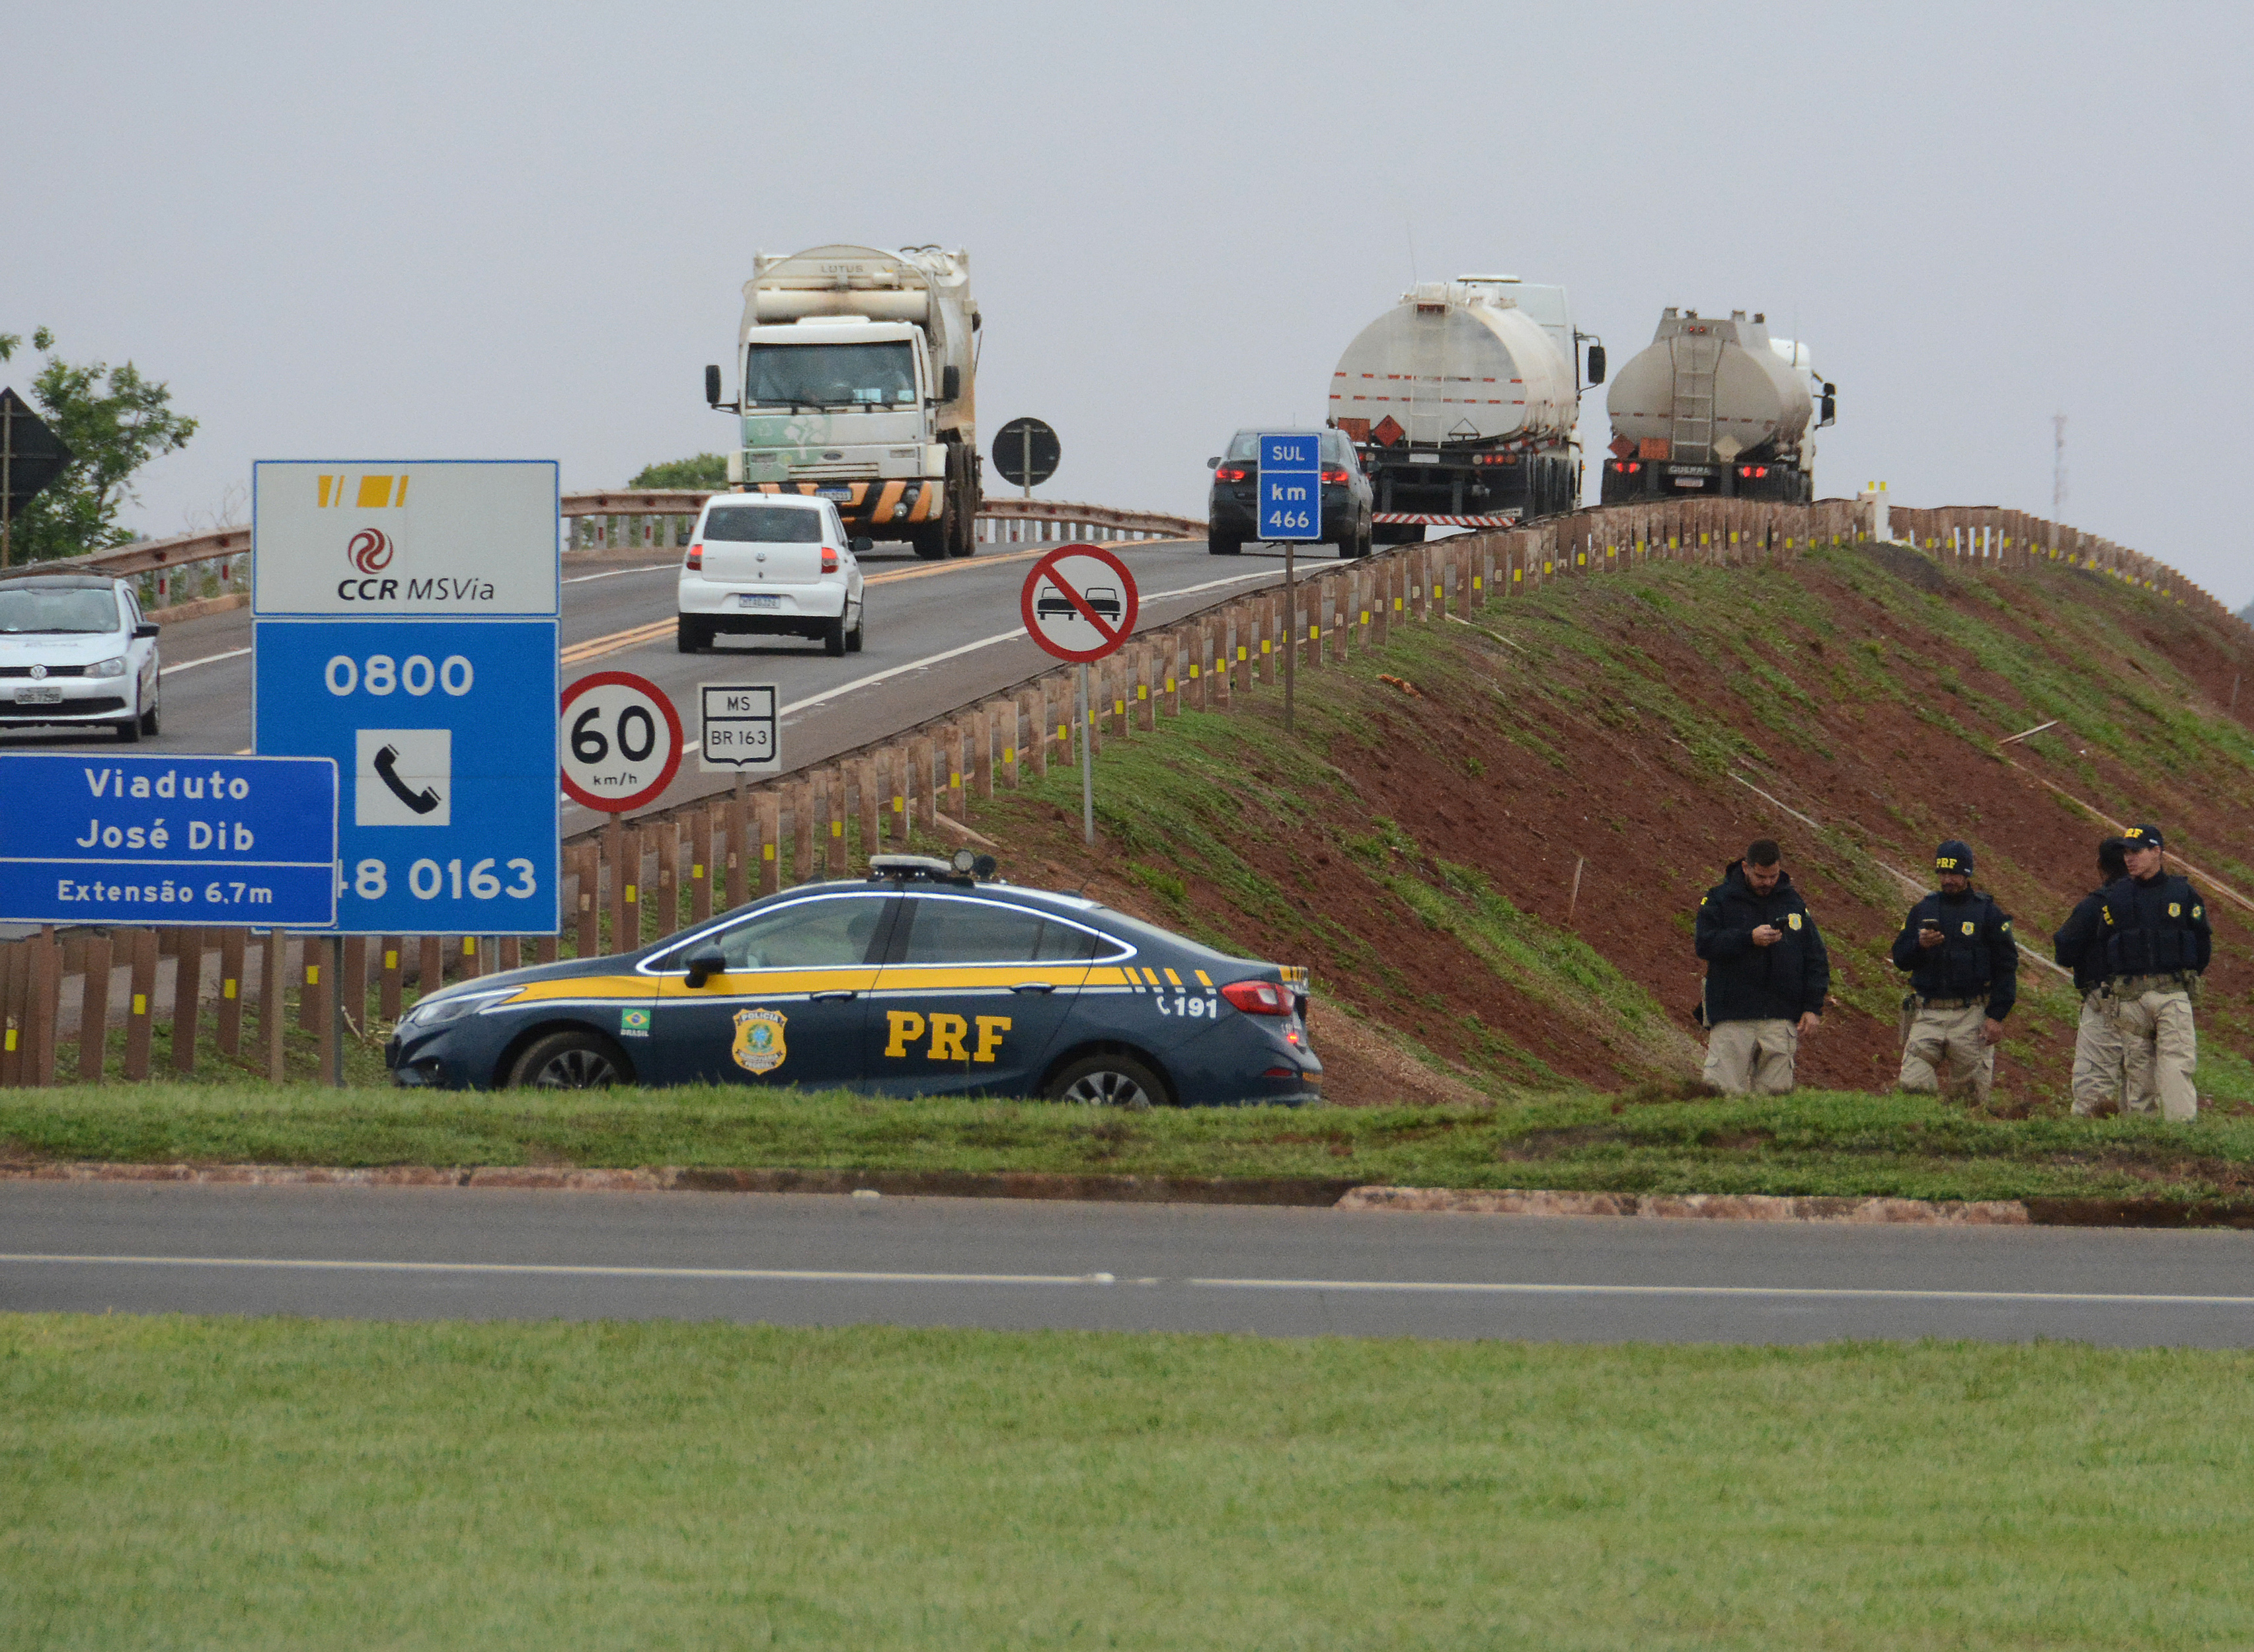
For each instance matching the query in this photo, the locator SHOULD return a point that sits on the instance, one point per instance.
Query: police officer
(2157, 945)
(1964, 969)
(1766, 974)
(2080, 946)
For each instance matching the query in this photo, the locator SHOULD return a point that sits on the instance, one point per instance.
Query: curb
(1302, 1192)
(958, 1184)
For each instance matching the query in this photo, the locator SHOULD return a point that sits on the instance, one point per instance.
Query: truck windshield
(68, 610)
(830, 375)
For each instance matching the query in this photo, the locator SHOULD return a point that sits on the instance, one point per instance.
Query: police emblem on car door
(759, 1047)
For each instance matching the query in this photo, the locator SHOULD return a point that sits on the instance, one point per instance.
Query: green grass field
(1813, 1142)
(280, 1483)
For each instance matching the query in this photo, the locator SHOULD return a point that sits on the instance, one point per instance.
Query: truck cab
(853, 370)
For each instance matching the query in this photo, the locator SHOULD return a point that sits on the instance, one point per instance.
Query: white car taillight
(829, 559)
(694, 561)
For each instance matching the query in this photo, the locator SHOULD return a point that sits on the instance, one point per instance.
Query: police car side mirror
(703, 964)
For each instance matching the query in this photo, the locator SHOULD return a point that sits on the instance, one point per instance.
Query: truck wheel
(833, 637)
(1224, 545)
(961, 526)
(1109, 1081)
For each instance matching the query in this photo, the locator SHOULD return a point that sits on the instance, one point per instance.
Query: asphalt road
(800, 1259)
(938, 635)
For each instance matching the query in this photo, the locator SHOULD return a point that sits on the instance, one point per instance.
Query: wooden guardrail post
(187, 998)
(93, 1010)
(351, 981)
(388, 995)
(142, 1005)
(769, 841)
(231, 946)
(700, 864)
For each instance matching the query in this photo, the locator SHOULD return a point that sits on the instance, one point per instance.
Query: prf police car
(924, 979)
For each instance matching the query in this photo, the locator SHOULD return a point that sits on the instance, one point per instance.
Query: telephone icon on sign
(387, 769)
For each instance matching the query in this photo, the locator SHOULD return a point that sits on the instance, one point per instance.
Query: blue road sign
(444, 736)
(89, 838)
(1291, 485)
(403, 623)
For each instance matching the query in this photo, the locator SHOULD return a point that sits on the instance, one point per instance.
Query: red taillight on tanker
(695, 563)
(1258, 997)
(829, 559)
(1232, 473)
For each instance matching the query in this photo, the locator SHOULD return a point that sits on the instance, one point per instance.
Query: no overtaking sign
(1080, 602)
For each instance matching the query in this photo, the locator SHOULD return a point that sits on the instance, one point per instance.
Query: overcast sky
(503, 231)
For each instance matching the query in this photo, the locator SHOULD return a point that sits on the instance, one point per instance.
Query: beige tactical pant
(1956, 1034)
(2097, 1059)
(1745, 1057)
(2161, 1047)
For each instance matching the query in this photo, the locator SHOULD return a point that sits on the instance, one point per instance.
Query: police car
(928, 977)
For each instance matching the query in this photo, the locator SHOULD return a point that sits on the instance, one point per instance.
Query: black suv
(1232, 512)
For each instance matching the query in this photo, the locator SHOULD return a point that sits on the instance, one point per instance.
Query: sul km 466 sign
(1080, 602)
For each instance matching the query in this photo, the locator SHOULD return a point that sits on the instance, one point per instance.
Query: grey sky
(520, 231)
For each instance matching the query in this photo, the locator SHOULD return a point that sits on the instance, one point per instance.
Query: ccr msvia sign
(173, 839)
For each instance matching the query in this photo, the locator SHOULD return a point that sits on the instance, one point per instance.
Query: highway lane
(938, 635)
(418, 1253)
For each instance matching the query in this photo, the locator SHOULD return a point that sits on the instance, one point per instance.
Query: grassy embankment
(285, 1483)
(1644, 1141)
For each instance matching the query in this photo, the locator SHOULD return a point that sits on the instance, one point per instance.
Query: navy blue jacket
(1782, 982)
(2080, 946)
(2158, 928)
(1977, 958)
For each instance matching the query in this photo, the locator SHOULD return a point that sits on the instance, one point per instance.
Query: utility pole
(2058, 468)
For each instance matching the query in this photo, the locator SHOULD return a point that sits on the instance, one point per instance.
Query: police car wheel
(568, 1061)
(1109, 1081)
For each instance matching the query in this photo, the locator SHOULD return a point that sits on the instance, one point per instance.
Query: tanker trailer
(1461, 401)
(1713, 409)
(856, 382)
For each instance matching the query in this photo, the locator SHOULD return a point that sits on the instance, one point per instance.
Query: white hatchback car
(770, 565)
(74, 649)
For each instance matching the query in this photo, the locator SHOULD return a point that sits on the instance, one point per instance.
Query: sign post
(403, 625)
(1291, 511)
(1080, 603)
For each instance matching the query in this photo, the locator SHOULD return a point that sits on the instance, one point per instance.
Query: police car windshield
(79, 611)
(764, 524)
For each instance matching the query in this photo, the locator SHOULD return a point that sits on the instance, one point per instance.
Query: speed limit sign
(621, 741)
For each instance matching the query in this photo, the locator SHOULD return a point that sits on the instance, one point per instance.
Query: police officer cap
(1955, 855)
(2143, 837)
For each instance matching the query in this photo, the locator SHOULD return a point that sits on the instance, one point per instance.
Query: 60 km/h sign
(621, 741)
(1080, 602)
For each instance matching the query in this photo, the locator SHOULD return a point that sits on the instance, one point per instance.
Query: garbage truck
(856, 377)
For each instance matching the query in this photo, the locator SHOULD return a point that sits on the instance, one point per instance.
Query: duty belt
(1951, 1003)
(2137, 986)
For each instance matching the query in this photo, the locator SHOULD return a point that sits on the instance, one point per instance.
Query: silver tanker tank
(1714, 409)
(1462, 401)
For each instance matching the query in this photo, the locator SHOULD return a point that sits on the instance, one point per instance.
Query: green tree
(705, 471)
(114, 421)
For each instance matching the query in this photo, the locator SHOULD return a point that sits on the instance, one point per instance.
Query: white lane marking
(1212, 585)
(654, 568)
(913, 665)
(844, 1275)
(208, 660)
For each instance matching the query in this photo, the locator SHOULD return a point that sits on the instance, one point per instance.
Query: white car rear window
(763, 523)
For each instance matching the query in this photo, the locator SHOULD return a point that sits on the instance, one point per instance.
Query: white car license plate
(833, 493)
(39, 694)
(769, 602)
